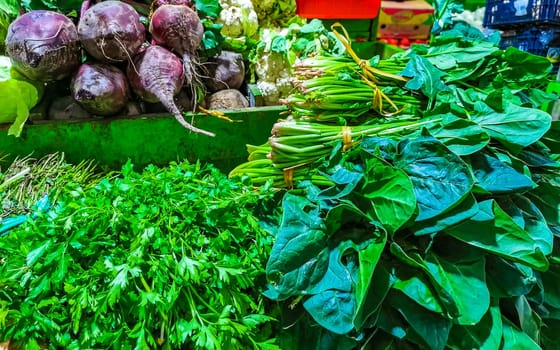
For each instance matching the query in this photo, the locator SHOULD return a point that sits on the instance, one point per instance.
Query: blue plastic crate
(503, 14)
(535, 40)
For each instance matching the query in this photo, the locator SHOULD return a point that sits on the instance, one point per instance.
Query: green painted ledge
(146, 139)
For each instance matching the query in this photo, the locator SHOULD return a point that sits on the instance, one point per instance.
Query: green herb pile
(440, 227)
(165, 258)
(26, 180)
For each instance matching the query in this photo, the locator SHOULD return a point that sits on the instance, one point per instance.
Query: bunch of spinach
(446, 237)
(165, 258)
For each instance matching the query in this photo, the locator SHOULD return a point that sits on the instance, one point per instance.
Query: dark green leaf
(301, 236)
(535, 224)
(369, 308)
(549, 334)
(466, 209)
(516, 127)
(496, 177)
(528, 319)
(441, 179)
(391, 193)
(338, 276)
(551, 286)
(424, 77)
(333, 309)
(537, 159)
(524, 67)
(547, 198)
(552, 137)
(466, 282)
(461, 136)
(445, 297)
(431, 327)
(417, 288)
(485, 335)
(494, 231)
(513, 338)
(449, 56)
(506, 278)
(368, 258)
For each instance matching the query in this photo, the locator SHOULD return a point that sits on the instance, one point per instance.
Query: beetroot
(111, 31)
(43, 45)
(156, 75)
(226, 71)
(100, 89)
(179, 28)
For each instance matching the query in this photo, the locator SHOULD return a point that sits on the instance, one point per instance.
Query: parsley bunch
(165, 258)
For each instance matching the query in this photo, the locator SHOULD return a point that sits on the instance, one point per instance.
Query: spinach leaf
(549, 334)
(461, 136)
(391, 192)
(332, 309)
(530, 322)
(301, 237)
(552, 137)
(451, 55)
(367, 285)
(506, 278)
(495, 231)
(535, 224)
(546, 198)
(417, 288)
(522, 68)
(369, 305)
(485, 335)
(493, 176)
(513, 338)
(551, 283)
(441, 179)
(415, 260)
(432, 328)
(516, 127)
(424, 77)
(466, 209)
(466, 282)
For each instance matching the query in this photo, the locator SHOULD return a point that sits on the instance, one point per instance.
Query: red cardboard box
(411, 19)
(325, 9)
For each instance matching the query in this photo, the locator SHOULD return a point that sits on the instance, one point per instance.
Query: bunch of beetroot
(107, 55)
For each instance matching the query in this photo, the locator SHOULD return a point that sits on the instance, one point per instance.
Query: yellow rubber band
(346, 138)
(289, 177)
(368, 72)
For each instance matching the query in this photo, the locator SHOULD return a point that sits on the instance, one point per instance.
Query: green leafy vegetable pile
(27, 180)
(440, 227)
(166, 258)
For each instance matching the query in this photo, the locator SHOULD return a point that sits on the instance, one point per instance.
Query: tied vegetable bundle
(427, 222)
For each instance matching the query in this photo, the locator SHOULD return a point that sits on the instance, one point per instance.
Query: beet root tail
(172, 108)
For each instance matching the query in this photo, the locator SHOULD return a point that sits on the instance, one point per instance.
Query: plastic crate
(502, 14)
(324, 9)
(535, 40)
